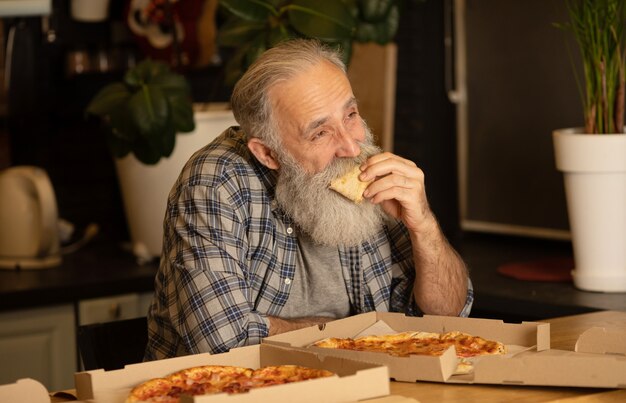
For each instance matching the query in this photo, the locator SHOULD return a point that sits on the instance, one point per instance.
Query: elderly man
(257, 244)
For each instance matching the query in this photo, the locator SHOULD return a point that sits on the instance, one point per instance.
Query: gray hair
(250, 100)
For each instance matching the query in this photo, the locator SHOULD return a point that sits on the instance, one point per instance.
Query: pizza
(421, 343)
(210, 379)
(349, 185)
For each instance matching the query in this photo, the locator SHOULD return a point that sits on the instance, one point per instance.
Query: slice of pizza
(471, 346)
(349, 185)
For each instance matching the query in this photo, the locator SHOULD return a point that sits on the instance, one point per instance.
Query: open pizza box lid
(524, 336)
(550, 368)
(24, 390)
(610, 339)
(355, 381)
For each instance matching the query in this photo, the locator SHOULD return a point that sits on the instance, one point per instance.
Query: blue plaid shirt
(229, 256)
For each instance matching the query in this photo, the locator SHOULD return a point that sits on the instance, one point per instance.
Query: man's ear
(263, 153)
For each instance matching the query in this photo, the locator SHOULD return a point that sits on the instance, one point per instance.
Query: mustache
(339, 166)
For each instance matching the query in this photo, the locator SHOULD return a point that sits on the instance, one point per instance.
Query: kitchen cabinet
(39, 343)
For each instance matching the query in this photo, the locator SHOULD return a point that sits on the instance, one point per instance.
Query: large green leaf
(146, 151)
(122, 124)
(144, 72)
(149, 110)
(236, 31)
(250, 10)
(182, 114)
(327, 20)
(171, 84)
(279, 33)
(167, 140)
(109, 98)
(381, 32)
(119, 147)
(375, 10)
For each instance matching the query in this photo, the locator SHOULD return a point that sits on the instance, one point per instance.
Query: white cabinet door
(40, 344)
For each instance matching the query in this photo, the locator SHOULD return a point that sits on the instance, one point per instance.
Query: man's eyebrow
(315, 124)
(350, 103)
(319, 122)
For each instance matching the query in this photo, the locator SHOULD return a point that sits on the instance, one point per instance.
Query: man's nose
(347, 146)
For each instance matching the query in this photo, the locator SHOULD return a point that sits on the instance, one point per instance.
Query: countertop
(98, 269)
(106, 268)
(501, 297)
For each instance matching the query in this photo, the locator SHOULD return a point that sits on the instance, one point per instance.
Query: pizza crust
(349, 185)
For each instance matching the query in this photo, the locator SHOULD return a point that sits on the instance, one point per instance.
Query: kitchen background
(519, 88)
(58, 65)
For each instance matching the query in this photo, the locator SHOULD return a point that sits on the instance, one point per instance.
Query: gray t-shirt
(318, 287)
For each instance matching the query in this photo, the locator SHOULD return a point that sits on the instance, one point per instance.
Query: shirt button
(287, 281)
(289, 230)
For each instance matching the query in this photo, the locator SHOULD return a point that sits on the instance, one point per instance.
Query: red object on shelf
(557, 269)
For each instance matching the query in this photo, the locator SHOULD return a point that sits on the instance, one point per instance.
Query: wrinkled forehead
(311, 95)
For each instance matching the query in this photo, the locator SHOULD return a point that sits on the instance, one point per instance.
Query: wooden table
(564, 332)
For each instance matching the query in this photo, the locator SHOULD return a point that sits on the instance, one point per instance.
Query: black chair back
(112, 345)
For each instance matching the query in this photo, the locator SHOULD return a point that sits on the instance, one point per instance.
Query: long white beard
(327, 217)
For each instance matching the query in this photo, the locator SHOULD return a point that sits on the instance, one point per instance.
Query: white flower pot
(90, 10)
(594, 171)
(145, 188)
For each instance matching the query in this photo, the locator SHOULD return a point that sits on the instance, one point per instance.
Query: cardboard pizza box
(356, 380)
(550, 368)
(527, 335)
(599, 360)
(24, 390)
(603, 340)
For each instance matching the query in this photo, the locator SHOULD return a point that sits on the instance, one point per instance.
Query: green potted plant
(593, 158)
(254, 26)
(145, 111)
(142, 117)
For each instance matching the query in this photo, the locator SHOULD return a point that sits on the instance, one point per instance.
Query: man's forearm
(278, 325)
(440, 275)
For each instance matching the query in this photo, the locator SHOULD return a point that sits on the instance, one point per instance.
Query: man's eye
(320, 134)
(353, 114)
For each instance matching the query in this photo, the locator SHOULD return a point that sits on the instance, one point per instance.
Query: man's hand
(440, 275)
(399, 188)
(278, 325)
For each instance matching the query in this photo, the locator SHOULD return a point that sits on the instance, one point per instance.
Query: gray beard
(326, 216)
